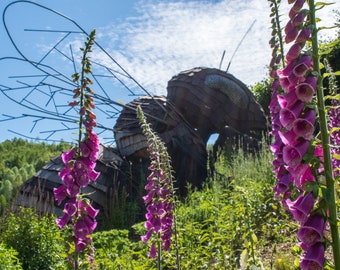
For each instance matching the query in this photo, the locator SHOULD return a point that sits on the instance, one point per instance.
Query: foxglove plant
(293, 122)
(159, 200)
(79, 165)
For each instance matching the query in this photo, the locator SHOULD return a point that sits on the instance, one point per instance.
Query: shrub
(38, 241)
(8, 258)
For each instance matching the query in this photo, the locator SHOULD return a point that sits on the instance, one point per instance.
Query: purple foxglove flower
(147, 236)
(287, 70)
(313, 258)
(153, 251)
(80, 245)
(303, 65)
(148, 198)
(60, 194)
(298, 18)
(334, 116)
(70, 207)
(81, 229)
(80, 167)
(93, 175)
(311, 231)
(282, 185)
(301, 207)
(287, 100)
(304, 126)
(304, 35)
(289, 137)
(84, 149)
(293, 52)
(291, 35)
(90, 223)
(277, 146)
(285, 83)
(88, 208)
(68, 155)
(301, 174)
(82, 180)
(288, 116)
(293, 79)
(73, 190)
(296, 8)
(306, 90)
(67, 178)
(61, 222)
(292, 155)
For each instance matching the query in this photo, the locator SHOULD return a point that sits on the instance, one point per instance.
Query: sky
(152, 40)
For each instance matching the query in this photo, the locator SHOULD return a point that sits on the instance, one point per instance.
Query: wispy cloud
(167, 37)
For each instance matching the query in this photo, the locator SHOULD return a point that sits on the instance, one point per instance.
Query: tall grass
(232, 223)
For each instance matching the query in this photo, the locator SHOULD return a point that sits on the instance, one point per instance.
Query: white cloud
(167, 37)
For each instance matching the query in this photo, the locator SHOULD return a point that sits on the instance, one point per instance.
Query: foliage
(225, 224)
(262, 92)
(8, 258)
(19, 160)
(38, 241)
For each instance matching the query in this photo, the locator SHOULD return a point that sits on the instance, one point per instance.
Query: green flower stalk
(325, 139)
(79, 167)
(159, 200)
(311, 202)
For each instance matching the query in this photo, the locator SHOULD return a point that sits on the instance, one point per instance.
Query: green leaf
(254, 238)
(326, 194)
(336, 156)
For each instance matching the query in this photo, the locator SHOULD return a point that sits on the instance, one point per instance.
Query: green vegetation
(233, 221)
(19, 160)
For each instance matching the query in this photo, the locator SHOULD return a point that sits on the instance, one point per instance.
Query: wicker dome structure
(186, 149)
(199, 102)
(211, 99)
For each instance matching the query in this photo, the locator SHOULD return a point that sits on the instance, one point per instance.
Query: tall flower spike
(159, 199)
(79, 165)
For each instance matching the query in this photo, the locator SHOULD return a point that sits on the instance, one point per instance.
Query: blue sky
(152, 40)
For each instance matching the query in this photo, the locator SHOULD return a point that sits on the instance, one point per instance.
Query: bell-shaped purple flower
(153, 251)
(61, 222)
(84, 149)
(289, 137)
(287, 100)
(292, 155)
(68, 156)
(81, 229)
(298, 19)
(73, 190)
(293, 52)
(88, 209)
(304, 126)
(291, 32)
(311, 231)
(304, 35)
(296, 8)
(93, 175)
(301, 174)
(306, 90)
(70, 207)
(313, 258)
(60, 194)
(288, 115)
(304, 64)
(282, 186)
(82, 180)
(301, 207)
(80, 244)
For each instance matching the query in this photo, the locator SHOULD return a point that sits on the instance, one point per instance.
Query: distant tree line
(19, 160)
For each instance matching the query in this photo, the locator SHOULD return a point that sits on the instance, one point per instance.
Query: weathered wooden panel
(38, 190)
(210, 99)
